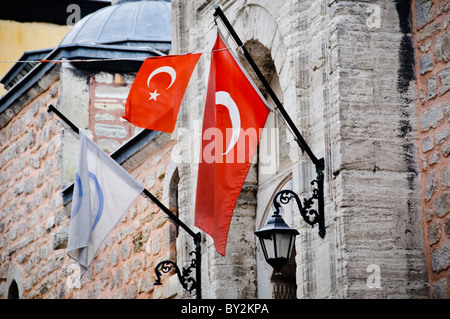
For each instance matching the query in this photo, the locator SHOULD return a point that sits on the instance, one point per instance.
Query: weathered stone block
(442, 47)
(103, 77)
(108, 106)
(110, 130)
(431, 186)
(112, 92)
(108, 144)
(424, 12)
(440, 289)
(446, 150)
(31, 138)
(61, 238)
(434, 159)
(431, 87)
(427, 144)
(445, 81)
(447, 110)
(138, 242)
(447, 227)
(434, 233)
(104, 117)
(432, 117)
(442, 204)
(145, 284)
(440, 257)
(442, 135)
(426, 63)
(125, 251)
(445, 176)
(114, 257)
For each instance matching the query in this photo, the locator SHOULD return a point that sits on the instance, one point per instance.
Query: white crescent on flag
(164, 69)
(224, 98)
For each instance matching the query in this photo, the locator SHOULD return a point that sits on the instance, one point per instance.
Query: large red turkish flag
(235, 113)
(155, 96)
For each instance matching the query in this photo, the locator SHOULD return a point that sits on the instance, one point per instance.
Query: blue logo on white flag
(97, 199)
(102, 187)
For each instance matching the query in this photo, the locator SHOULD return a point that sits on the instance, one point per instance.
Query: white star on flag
(154, 95)
(163, 79)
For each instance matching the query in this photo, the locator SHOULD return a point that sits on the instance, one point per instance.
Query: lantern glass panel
(283, 245)
(269, 247)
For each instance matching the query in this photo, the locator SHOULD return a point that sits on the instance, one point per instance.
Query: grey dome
(139, 24)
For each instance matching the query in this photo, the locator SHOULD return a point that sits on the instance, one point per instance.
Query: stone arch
(267, 46)
(270, 286)
(168, 188)
(13, 291)
(171, 191)
(270, 36)
(14, 283)
(266, 211)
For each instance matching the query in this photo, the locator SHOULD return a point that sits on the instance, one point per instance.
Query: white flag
(102, 193)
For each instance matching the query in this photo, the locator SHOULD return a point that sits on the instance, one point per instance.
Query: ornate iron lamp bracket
(188, 282)
(184, 276)
(310, 216)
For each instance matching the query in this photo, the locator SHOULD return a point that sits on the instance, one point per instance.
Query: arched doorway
(173, 195)
(285, 286)
(274, 173)
(13, 291)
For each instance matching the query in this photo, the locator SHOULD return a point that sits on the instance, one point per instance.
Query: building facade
(365, 82)
(344, 72)
(432, 56)
(39, 156)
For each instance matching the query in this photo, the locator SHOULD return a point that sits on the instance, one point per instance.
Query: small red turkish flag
(157, 91)
(235, 114)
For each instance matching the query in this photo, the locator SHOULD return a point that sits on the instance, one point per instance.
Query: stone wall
(34, 220)
(432, 53)
(31, 209)
(345, 73)
(125, 262)
(108, 92)
(345, 76)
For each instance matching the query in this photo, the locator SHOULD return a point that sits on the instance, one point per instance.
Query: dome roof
(141, 24)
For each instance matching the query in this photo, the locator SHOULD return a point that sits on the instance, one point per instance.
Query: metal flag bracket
(187, 282)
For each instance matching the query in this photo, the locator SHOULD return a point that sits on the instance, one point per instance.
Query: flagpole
(196, 263)
(319, 163)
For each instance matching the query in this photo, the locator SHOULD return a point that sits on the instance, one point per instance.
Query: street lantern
(277, 238)
(277, 241)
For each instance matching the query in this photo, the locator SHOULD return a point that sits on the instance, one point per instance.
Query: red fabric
(154, 101)
(221, 177)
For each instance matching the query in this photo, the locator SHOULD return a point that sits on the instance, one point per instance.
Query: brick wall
(30, 202)
(338, 64)
(34, 222)
(108, 93)
(432, 53)
(125, 262)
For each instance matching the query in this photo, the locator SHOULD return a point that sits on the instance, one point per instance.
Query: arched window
(285, 287)
(173, 194)
(13, 291)
(269, 285)
(274, 174)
